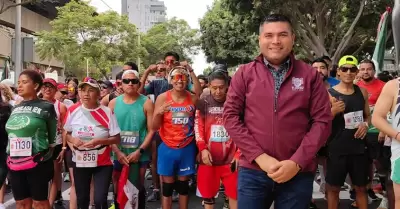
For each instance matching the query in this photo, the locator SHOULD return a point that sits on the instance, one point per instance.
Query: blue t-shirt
(159, 86)
(332, 81)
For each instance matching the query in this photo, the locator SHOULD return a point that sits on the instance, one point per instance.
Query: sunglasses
(103, 87)
(161, 70)
(71, 89)
(118, 83)
(133, 81)
(178, 77)
(48, 86)
(64, 92)
(171, 62)
(345, 69)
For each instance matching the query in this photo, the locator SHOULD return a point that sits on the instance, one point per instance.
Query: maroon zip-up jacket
(295, 128)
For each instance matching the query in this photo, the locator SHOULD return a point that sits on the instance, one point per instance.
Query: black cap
(107, 83)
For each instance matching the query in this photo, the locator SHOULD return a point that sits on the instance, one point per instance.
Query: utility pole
(138, 59)
(18, 42)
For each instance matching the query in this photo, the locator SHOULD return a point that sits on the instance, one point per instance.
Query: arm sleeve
(233, 110)
(52, 126)
(190, 87)
(199, 131)
(149, 89)
(321, 116)
(113, 125)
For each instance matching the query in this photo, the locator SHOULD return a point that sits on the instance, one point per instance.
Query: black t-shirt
(342, 141)
(5, 111)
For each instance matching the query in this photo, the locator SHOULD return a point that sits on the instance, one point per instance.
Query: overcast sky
(189, 10)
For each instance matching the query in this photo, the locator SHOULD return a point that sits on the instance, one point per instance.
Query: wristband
(64, 148)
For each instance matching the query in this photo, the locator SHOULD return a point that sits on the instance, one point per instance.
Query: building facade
(34, 18)
(144, 13)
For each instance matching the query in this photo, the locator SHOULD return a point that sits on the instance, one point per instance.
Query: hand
(122, 158)
(77, 142)
(337, 106)
(165, 108)
(381, 137)
(90, 144)
(285, 170)
(187, 66)
(206, 157)
(134, 156)
(60, 157)
(152, 68)
(266, 163)
(361, 131)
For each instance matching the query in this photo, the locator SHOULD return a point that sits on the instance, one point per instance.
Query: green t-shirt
(34, 121)
(132, 121)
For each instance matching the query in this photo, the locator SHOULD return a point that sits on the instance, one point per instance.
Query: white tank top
(395, 147)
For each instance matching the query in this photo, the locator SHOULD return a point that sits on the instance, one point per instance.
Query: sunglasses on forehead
(345, 69)
(128, 81)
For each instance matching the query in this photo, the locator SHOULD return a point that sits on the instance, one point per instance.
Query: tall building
(144, 13)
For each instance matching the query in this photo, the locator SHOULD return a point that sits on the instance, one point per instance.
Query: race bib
(86, 159)
(180, 118)
(20, 147)
(130, 139)
(353, 119)
(218, 134)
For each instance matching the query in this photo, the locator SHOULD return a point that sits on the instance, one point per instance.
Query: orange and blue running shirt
(177, 130)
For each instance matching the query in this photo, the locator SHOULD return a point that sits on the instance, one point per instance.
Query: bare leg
(232, 204)
(55, 183)
(72, 193)
(183, 199)
(24, 204)
(166, 202)
(333, 196)
(361, 197)
(41, 204)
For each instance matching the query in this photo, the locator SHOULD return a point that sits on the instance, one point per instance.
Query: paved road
(195, 202)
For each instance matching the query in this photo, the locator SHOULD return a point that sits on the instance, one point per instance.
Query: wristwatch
(141, 150)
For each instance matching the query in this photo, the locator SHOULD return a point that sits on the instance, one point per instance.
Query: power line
(106, 4)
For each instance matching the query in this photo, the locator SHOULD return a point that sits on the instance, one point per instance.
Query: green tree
(79, 33)
(323, 27)
(174, 35)
(226, 37)
(207, 71)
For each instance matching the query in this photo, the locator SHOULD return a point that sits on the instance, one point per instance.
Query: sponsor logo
(297, 84)
(189, 108)
(18, 122)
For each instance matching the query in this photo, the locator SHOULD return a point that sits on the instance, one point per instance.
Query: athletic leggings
(102, 178)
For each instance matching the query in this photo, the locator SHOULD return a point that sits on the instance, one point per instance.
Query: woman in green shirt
(31, 132)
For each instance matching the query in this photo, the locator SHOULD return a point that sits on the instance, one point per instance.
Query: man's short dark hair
(276, 18)
(320, 59)
(202, 77)
(119, 75)
(326, 57)
(367, 61)
(133, 66)
(173, 54)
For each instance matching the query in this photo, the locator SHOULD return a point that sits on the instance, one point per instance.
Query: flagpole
(18, 42)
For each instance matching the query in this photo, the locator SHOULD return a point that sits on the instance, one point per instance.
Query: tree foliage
(225, 36)
(174, 35)
(79, 33)
(323, 27)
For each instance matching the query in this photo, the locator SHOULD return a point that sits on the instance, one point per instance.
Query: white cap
(8, 82)
(126, 72)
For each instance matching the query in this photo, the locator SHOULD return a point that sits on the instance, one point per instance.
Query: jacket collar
(260, 58)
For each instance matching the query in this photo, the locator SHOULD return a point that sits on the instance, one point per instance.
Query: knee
(331, 188)
(182, 187)
(209, 201)
(41, 204)
(23, 203)
(167, 189)
(360, 189)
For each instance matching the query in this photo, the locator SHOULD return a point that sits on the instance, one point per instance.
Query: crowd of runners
(259, 135)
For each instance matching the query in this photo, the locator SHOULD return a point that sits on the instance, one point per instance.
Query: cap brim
(81, 85)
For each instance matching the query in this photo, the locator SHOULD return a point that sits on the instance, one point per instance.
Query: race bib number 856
(86, 159)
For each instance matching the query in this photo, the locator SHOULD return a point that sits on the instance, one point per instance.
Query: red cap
(51, 81)
(61, 86)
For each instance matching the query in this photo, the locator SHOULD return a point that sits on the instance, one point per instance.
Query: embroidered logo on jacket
(297, 84)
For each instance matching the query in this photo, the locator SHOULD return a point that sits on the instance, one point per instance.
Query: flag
(380, 47)
(128, 194)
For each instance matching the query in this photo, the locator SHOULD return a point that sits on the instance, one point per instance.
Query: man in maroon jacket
(278, 113)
